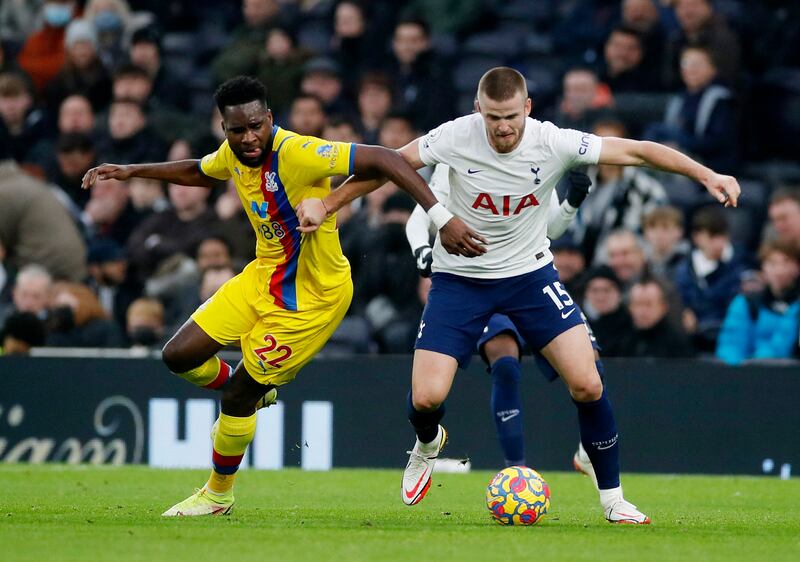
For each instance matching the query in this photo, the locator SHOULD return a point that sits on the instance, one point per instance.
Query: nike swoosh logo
(565, 315)
(508, 417)
(410, 494)
(471, 171)
(599, 448)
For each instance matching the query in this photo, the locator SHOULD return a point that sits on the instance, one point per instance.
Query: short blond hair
(502, 83)
(147, 307)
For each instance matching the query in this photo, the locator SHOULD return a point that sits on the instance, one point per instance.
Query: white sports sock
(610, 497)
(433, 446)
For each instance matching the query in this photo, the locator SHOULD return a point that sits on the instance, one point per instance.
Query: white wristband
(439, 215)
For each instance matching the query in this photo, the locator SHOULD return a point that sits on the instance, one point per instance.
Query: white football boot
(581, 462)
(623, 511)
(417, 475)
(202, 502)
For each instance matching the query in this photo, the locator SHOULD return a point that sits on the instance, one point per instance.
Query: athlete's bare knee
(587, 390)
(502, 345)
(426, 402)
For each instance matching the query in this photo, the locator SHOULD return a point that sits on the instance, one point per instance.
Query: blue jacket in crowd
(760, 327)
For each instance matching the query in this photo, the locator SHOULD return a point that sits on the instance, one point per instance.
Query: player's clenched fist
(105, 172)
(457, 238)
(311, 213)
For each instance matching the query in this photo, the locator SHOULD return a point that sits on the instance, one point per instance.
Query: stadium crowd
(659, 270)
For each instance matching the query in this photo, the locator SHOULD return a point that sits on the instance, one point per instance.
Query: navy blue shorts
(501, 324)
(459, 308)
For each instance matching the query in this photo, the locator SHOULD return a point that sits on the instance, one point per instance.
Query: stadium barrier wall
(673, 416)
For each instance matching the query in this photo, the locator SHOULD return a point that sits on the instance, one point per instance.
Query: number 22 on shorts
(283, 352)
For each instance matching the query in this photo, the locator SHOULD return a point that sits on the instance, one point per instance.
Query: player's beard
(254, 162)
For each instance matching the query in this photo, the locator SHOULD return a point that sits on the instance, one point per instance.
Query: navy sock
(426, 424)
(507, 409)
(599, 437)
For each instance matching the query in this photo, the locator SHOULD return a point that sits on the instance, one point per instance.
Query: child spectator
(709, 278)
(765, 325)
(663, 231)
(145, 323)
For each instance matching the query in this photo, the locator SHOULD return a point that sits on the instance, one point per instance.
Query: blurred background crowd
(657, 268)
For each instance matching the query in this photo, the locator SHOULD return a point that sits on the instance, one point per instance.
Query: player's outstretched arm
(183, 172)
(627, 152)
(376, 161)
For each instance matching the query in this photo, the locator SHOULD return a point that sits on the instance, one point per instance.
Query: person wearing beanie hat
(604, 307)
(83, 72)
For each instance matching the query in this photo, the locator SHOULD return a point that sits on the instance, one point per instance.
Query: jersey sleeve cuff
(352, 163)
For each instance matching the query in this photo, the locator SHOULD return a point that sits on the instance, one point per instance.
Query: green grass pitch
(51, 513)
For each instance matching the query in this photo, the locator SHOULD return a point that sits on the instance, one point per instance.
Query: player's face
(248, 128)
(505, 120)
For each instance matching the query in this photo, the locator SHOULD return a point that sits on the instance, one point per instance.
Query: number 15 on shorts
(558, 294)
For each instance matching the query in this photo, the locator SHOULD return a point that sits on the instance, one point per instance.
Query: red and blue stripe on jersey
(283, 282)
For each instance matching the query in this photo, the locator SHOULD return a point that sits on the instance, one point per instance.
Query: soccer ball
(518, 495)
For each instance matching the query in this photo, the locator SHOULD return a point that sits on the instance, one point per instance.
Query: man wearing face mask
(44, 53)
(145, 323)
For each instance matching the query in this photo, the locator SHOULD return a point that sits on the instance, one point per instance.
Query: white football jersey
(504, 197)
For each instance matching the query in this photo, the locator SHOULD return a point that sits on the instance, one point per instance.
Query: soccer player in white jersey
(503, 168)
(500, 345)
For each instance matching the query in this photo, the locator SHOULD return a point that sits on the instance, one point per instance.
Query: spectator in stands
(624, 254)
(145, 52)
(18, 20)
(374, 104)
(765, 325)
(583, 100)
(76, 115)
(109, 214)
(623, 68)
(447, 17)
(109, 279)
(341, 130)
(280, 66)
(76, 319)
(702, 119)
(130, 137)
(354, 44)
(665, 245)
(74, 156)
(583, 26)
(134, 83)
(144, 325)
(212, 278)
(322, 78)
(422, 81)
(700, 26)
(43, 53)
(396, 131)
(34, 226)
(22, 331)
(708, 278)
(177, 231)
(387, 279)
(603, 306)
(22, 119)
(147, 196)
(307, 115)
(113, 21)
(620, 196)
(247, 41)
(33, 289)
(82, 73)
(653, 334)
(644, 17)
(570, 263)
(784, 216)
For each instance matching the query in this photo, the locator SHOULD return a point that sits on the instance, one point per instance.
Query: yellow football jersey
(300, 271)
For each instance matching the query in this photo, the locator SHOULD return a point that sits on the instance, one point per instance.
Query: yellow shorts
(276, 343)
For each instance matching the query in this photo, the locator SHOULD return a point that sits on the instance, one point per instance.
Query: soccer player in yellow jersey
(288, 301)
